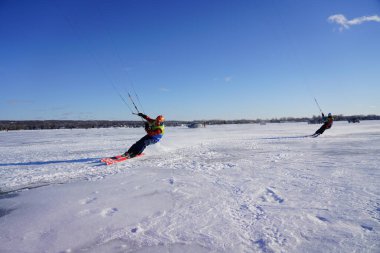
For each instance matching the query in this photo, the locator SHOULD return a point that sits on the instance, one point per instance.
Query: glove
(146, 126)
(141, 114)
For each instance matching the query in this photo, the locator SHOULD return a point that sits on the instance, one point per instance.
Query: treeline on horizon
(6, 125)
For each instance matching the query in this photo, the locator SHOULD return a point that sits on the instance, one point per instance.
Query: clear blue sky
(188, 59)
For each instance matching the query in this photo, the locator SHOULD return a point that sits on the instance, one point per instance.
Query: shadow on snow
(286, 137)
(84, 160)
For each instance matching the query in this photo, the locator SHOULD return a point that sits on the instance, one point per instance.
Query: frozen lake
(229, 188)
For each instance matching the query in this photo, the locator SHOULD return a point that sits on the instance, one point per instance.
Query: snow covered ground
(230, 188)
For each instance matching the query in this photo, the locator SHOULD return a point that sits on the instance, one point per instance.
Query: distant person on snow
(155, 130)
(326, 125)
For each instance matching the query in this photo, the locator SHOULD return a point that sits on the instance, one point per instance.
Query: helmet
(160, 118)
(329, 115)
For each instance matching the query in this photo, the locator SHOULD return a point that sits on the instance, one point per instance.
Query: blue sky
(188, 59)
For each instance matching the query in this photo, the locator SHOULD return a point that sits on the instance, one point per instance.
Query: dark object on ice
(196, 125)
(367, 227)
(353, 120)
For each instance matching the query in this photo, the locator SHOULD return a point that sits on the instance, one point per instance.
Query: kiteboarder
(155, 130)
(326, 125)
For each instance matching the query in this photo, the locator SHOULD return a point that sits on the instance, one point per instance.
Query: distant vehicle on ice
(353, 120)
(196, 125)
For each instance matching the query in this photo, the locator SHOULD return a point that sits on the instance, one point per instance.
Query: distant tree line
(6, 125)
(312, 120)
(64, 124)
(69, 124)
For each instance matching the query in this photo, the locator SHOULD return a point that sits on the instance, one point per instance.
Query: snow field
(232, 188)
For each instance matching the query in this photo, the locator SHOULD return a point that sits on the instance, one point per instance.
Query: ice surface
(228, 188)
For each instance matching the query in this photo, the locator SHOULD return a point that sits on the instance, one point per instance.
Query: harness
(329, 123)
(153, 127)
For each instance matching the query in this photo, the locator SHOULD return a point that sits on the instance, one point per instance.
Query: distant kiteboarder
(327, 123)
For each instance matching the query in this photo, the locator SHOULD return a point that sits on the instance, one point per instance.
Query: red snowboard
(117, 159)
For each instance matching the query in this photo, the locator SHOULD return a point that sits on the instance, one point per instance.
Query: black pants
(140, 145)
(321, 130)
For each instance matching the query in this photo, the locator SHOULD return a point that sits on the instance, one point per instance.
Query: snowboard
(117, 159)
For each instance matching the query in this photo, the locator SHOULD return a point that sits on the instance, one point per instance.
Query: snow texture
(229, 188)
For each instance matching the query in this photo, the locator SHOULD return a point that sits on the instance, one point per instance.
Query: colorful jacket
(153, 128)
(328, 121)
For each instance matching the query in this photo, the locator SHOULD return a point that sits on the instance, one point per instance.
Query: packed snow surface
(227, 188)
